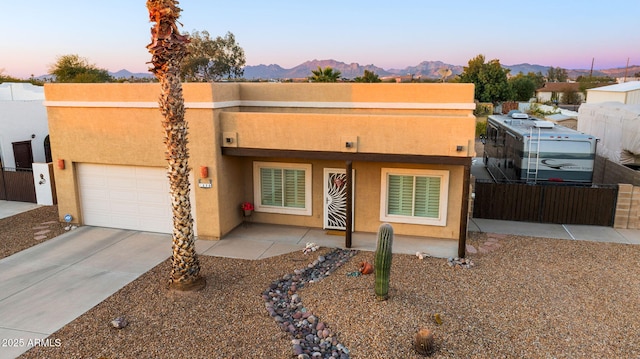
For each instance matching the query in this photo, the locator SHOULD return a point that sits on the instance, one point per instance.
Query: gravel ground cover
(523, 297)
(29, 228)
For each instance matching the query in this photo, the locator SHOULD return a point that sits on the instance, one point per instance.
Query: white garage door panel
(126, 197)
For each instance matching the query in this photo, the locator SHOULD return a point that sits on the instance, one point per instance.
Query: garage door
(125, 197)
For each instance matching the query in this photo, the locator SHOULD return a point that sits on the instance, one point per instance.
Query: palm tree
(325, 75)
(168, 48)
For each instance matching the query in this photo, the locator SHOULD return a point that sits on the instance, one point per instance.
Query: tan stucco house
(332, 156)
(553, 91)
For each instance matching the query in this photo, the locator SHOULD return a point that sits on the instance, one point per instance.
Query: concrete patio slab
(241, 248)
(321, 238)
(441, 248)
(594, 233)
(278, 248)
(545, 230)
(11, 208)
(268, 232)
(434, 247)
(631, 235)
(203, 245)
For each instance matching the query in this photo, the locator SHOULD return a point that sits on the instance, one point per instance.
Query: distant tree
(368, 76)
(588, 82)
(557, 74)
(570, 97)
(490, 79)
(73, 68)
(212, 59)
(537, 78)
(6, 78)
(325, 75)
(522, 87)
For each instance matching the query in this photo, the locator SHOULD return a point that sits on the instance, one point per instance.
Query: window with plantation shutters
(414, 196)
(282, 187)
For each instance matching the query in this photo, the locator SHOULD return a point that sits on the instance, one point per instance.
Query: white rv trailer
(519, 148)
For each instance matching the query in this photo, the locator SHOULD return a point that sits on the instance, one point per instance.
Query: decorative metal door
(335, 198)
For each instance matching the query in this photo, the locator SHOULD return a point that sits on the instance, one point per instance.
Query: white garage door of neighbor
(126, 197)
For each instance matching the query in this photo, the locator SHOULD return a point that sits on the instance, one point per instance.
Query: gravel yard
(29, 228)
(524, 298)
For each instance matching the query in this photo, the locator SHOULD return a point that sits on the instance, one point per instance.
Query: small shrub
(481, 127)
(483, 109)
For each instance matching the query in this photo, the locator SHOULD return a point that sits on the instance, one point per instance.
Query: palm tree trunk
(168, 48)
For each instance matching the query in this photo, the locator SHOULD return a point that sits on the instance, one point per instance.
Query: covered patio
(260, 240)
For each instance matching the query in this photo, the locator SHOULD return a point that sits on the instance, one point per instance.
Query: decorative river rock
(311, 338)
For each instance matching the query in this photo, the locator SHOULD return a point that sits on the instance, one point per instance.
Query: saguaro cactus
(382, 265)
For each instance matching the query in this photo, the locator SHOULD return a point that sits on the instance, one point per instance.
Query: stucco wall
(414, 134)
(366, 192)
(19, 120)
(124, 136)
(120, 124)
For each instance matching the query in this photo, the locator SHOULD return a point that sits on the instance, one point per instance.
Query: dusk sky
(389, 34)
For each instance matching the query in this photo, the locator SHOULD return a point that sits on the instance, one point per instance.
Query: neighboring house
(23, 125)
(287, 148)
(553, 91)
(626, 79)
(626, 92)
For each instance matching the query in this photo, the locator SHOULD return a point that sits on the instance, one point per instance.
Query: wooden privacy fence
(17, 186)
(546, 203)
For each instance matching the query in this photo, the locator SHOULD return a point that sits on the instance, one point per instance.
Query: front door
(335, 198)
(23, 155)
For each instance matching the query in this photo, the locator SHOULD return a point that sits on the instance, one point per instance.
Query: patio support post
(349, 204)
(464, 211)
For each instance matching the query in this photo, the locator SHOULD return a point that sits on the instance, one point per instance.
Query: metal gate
(546, 203)
(17, 185)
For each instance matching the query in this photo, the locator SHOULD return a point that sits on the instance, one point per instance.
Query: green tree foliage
(325, 75)
(6, 78)
(588, 82)
(368, 76)
(211, 60)
(537, 78)
(73, 68)
(523, 87)
(570, 97)
(557, 74)
(490, 79)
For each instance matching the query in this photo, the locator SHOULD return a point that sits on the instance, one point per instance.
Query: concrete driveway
(47, 286)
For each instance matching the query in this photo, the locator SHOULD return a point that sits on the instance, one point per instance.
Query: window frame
(441, 220)
(257, 188)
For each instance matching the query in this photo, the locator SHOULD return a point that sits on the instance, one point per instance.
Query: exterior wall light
(204, 172)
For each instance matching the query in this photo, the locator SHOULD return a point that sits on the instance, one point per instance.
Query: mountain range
(425, 69)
